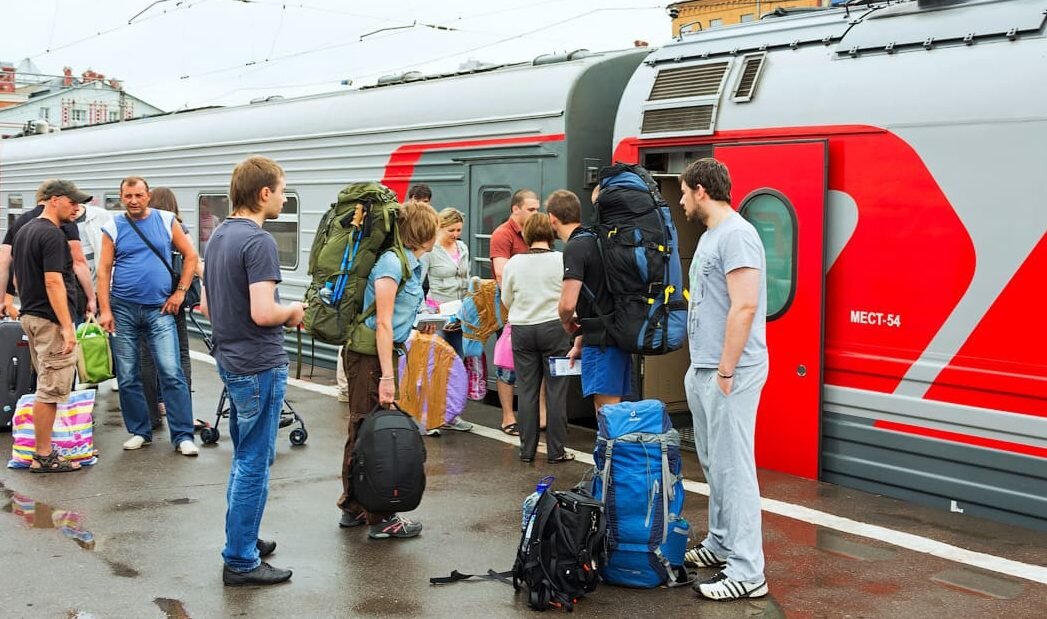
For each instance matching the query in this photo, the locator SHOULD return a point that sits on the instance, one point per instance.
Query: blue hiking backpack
(640, 249)
(638, 479)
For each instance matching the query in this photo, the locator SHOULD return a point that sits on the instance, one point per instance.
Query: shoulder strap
(404, 276)
(134, 226)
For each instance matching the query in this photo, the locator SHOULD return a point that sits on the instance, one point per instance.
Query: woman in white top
(531, 285)
(448, 268)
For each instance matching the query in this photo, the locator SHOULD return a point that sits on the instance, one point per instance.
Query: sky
(179, 54)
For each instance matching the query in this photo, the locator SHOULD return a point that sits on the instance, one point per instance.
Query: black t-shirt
(42, 248)
(581, 261)
(72, 233)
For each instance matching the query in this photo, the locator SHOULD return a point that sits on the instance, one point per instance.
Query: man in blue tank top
(248, 320)
(138, 301)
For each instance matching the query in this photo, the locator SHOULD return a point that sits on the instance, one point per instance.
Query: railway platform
(140, 534)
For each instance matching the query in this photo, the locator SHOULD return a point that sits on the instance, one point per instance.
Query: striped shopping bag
(73, 434)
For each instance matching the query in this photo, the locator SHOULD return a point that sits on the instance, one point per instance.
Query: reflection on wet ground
(977, 582)
(42, 516)
(173, 609)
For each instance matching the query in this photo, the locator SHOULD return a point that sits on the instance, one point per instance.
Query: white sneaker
(721, 587)
(136, 442)
(458, 424)
(700, 556)
(188, 448)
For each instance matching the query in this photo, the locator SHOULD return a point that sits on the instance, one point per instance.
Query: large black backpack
(388, 469)
(640, 251)
(561, 553)
(560, 561)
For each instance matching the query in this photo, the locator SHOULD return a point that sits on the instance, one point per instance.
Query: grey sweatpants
(724, 432)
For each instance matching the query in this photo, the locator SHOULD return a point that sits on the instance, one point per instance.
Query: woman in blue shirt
(371, 377)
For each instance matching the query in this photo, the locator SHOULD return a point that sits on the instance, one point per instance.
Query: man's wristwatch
(182, 288)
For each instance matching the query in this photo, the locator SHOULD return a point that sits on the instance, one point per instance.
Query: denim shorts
(606, 371)
(505, 375)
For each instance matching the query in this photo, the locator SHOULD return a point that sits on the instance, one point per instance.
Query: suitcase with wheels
(16, 369)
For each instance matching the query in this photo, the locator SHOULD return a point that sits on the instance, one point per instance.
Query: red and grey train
(890, 155)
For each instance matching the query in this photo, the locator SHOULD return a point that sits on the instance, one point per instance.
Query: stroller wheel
(209, 435)
(299, 436)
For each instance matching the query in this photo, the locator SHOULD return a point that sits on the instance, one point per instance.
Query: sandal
(53, 463)
(567, 457)
(511, 430)
(200, 424)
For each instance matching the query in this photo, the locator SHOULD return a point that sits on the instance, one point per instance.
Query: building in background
(29, 96)
(694, 15)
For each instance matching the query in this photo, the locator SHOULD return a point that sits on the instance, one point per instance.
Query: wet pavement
(139, 535)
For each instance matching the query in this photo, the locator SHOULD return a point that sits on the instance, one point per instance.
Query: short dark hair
(521, 196)
(711, 175)
(249, 177)
(565, 206)
(421, 191)
(538, 228)
(133, 180)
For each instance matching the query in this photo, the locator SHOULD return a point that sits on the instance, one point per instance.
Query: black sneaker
(395, 526)
(722, 587)
(264, 574)
(265, 547)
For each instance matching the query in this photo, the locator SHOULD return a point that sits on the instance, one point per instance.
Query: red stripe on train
(966, 439)
(400, 169)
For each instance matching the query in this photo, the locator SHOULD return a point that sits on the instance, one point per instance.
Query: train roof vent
(752, 66)
(694, 81)
(691, 119)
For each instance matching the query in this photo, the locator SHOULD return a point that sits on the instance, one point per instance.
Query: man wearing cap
(80, 267)
(138, 301)
(43, 267)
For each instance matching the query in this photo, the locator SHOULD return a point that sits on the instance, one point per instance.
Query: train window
(112, 203)
(285, 230)
(214, 208)
(775, 221)
(14, 201)
(494, 206)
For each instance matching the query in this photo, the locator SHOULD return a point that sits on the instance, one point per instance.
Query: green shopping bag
(94, 358)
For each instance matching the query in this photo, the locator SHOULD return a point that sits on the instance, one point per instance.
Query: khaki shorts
(54, 369)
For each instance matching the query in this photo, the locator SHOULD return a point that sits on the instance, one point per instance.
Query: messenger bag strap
(134, 226)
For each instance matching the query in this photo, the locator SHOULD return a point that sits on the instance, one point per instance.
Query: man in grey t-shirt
(247, 319)
(726, 328)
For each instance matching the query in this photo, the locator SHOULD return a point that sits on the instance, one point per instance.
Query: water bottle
(532, 501)
(326, 293)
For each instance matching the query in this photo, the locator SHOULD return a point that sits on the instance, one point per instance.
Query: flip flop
(567, 457)
(511, 430)
(200, 424)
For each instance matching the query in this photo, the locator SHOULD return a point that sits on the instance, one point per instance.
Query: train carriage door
(491, 189)
(781, 189)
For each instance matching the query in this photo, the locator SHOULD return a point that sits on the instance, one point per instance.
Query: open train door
(781, 189)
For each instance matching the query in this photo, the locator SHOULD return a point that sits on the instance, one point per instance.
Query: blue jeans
(255, 401)
(134, 322)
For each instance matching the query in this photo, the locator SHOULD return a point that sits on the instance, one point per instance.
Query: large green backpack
(357, 229)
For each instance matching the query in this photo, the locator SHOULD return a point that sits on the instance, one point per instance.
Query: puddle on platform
(173, 609)
(140, 505)
(42, 516)
(122, 570)
(839, 544)
(979, 583)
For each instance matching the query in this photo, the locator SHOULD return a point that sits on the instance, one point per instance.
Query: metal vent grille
(747, 81)
(678, 119)
(698, 81)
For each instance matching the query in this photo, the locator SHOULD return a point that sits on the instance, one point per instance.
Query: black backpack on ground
(640, 250)
(561, 552)
(388, 470)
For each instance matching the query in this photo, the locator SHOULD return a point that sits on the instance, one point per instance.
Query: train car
(890, 156)
(475, 137)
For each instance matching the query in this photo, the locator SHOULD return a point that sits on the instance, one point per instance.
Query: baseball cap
(54, 188)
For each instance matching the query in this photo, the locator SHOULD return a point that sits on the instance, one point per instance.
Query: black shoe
(264, 574)
(265, 547)
(349, 520)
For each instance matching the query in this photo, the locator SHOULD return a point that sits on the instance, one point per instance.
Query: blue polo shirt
(408, 300)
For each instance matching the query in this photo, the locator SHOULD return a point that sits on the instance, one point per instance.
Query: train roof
(541, 88)
(871, 27)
